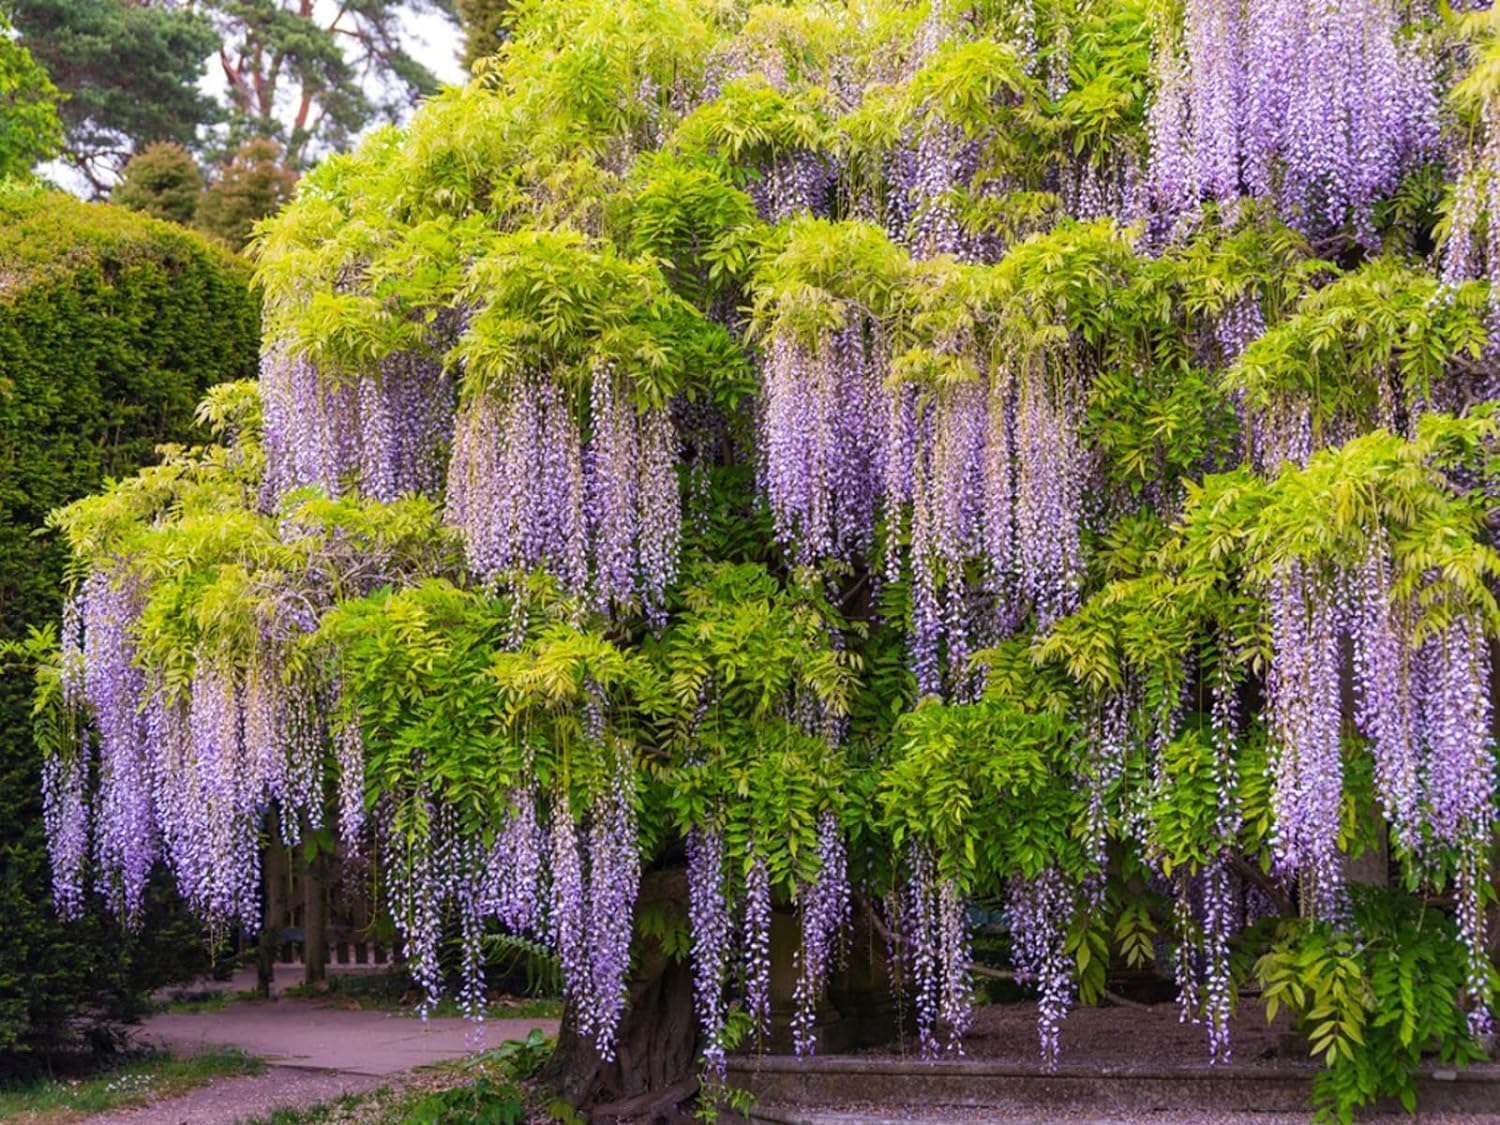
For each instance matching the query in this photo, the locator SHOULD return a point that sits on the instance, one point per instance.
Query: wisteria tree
(849, 461)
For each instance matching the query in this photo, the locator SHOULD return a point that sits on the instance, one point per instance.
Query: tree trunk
(653, 1076)
(315, 922)
(274, 877)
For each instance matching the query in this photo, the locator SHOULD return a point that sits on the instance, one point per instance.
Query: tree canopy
(878, 454)
(133, 75)
(129, 72)
(30, 131)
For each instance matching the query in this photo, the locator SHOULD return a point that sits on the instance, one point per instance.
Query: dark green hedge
(111, 327)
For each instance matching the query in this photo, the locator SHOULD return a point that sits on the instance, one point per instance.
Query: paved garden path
(314, 1051)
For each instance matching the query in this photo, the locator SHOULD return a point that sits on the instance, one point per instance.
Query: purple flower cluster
(1383, 695)
(934, 931)
(792, 182)
(1453, 723)
(825, 914)
(419, 862)
(1320, 105)
(125, 835)
(757, 942)
(515, 484)
(186, 774)
(713, 939)
(614, 880)
(1218, 927)
(65, 819)
(1109, 736)
(349, 754)
(593, 910)
(823, 435)
(1049, 495)
(527, 493)
(1305, 762)
(1218, 883)
(992, 473)
(568, 919)
(515, 868)
(1040, 911)
(951, 523)
(933, 160)
(382, 433)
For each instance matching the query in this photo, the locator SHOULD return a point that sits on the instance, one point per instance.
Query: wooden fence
(315, 918)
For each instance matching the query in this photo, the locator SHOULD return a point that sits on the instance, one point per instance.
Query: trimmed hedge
(111, 327)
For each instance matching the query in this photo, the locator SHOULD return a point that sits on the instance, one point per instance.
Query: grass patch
(489, 1088)
(394, 991)
(506, 1008)
(118, 1082)
(209, 1000)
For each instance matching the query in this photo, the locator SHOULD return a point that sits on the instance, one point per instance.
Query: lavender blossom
(825, 914)
(708, 911)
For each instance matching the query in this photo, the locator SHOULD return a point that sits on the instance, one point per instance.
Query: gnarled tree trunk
(653, 1076)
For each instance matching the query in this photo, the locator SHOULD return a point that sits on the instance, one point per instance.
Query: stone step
(813, 1091)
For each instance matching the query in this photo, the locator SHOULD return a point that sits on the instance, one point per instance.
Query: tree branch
(1284, 904)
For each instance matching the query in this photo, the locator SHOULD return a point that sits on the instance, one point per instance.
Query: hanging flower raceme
(418, 851)
(112, 684)
(713, 938)
(823, 439)
(1109, 738)
(515, 868)
(1321, 106)
(1049, 497)
(1383, 694)
(934, 932)
(958, 512)
(614, 881)
(1040, 911)
(187, 771)
(515, 483)
(1219, 899)
(568, 917)
(65, 820)
(596, 874)
(1475, 207)
(349, 754)
(125, 835)
(825, 908)
(382, 433)
(757, 942)
(1305, 761)
(603, 517)
(1453, 724)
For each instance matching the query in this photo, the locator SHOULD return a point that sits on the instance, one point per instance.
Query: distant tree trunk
(269, 943)
(654, 1073)
(315, 922)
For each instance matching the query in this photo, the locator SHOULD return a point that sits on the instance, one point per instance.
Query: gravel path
(315, 1051)
(315, 1034)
